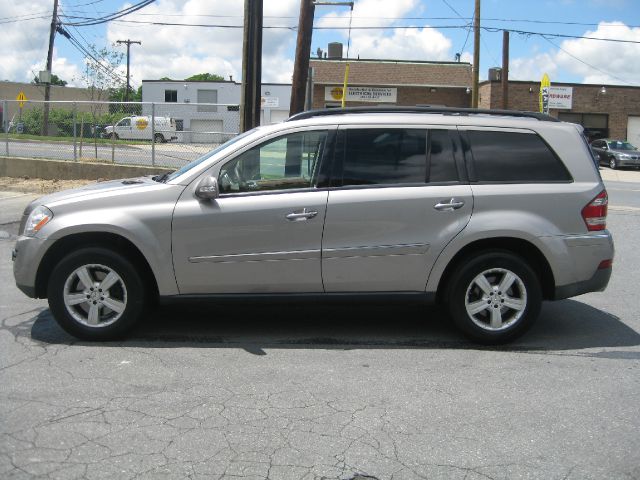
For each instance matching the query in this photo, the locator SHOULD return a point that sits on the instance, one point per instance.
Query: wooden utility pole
(128, 43)
(47, 87)
(251, 65)
(303, 51)
(505, 69)
(476, 55)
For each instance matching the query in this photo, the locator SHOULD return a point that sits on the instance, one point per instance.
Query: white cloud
(24, 42)
(178, 52)
(592, 60)
(532, 68)
(608, 62)
(397, 43)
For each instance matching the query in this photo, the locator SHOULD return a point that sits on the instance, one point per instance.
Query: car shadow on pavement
(564, 325)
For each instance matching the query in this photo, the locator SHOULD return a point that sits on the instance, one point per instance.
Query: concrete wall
(10, 90)
(59, 170)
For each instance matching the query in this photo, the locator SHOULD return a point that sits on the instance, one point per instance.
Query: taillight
(595, 213)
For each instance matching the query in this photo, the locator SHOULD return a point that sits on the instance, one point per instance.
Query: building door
(633, 131)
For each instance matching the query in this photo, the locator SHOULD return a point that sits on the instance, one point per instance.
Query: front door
(263, 233)
(399, 200)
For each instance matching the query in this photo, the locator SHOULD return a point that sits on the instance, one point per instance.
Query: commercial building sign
(269, 102)
(362, 94)
(560, 97)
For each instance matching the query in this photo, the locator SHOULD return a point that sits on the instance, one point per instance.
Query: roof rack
(423, 109)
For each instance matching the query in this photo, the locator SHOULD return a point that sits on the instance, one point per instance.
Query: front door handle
(449, 206)
(302, 215)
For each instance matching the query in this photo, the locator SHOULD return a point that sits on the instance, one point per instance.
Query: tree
(100, 76)
(205, 77)
(55, 80)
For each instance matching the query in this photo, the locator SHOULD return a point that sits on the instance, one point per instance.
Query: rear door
(397, 197)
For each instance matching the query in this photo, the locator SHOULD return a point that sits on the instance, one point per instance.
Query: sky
(431, 30)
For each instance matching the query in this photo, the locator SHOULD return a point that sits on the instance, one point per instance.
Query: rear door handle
(302, 215)
(449, 206)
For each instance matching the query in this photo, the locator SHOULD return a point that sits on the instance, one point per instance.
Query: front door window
(288, 162)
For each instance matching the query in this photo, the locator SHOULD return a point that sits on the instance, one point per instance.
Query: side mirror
(207, 188)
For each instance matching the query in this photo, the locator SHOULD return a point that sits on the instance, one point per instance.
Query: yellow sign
(545, 85)
(21, 98)
(336, 93)
(142, 123)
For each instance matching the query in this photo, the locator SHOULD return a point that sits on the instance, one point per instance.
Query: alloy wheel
(95, 295)
(496, 299)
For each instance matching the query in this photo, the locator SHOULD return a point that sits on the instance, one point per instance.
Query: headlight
(38, 218)
(623, 155)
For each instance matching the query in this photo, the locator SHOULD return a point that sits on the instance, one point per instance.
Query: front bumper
(27, 255)
(628, 162)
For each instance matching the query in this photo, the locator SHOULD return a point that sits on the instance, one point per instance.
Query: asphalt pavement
(338, 390)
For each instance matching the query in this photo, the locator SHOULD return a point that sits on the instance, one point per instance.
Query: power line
(113, 16)
(382, 27)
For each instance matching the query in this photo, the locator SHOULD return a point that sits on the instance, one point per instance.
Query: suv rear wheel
(96, 294)
(494, 297)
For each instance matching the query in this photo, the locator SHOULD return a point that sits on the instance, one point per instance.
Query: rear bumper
(597, 283)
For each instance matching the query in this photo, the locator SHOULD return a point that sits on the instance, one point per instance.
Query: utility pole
(251, 65)
(303, 51)
(476, 55)
(47, 87)
(128, 43)
(505, 69)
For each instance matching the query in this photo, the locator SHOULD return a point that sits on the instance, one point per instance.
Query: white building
(208, 112)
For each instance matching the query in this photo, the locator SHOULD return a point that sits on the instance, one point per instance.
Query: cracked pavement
(310, 391)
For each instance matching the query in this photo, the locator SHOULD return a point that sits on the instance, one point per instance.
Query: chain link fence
(131, 133)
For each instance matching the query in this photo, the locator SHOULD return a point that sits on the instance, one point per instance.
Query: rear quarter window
(514, 157)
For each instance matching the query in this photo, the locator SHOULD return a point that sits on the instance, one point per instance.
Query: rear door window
(514, 157)
(396, 156)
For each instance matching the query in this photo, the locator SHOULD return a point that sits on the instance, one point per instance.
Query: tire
(88, 312)
(159, 138)
(613, 164)
(113, 136)
(500, 316)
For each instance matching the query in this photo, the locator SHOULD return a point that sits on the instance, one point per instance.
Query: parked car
(616, 153)
(139, 128)
(487, 212)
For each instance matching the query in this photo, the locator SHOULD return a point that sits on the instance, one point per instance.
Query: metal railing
(127, 133)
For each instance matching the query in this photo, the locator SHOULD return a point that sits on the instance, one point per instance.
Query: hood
(100, 189)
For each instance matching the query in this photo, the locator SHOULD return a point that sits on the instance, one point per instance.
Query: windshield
(207, 155)
(620, 145)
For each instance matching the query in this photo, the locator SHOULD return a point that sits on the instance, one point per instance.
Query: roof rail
(423, 109)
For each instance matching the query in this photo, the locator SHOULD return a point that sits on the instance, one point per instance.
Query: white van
(139, 128)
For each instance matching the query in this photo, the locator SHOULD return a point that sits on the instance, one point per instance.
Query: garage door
(207, 131)
(633, 131)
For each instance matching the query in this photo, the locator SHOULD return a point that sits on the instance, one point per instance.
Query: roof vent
(335, 51)
(495, 74)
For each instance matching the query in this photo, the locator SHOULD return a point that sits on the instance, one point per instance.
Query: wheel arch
(517, 246)
(111, 241)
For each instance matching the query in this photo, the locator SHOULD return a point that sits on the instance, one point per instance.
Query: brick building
(391, 82)
(604, 110)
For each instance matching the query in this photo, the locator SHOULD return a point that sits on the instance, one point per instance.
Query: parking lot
(334, 390)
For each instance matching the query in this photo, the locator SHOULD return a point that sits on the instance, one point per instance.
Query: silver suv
(488, 212)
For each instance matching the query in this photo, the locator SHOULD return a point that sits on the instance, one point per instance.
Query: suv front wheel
(96, 294)
(494, 297)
